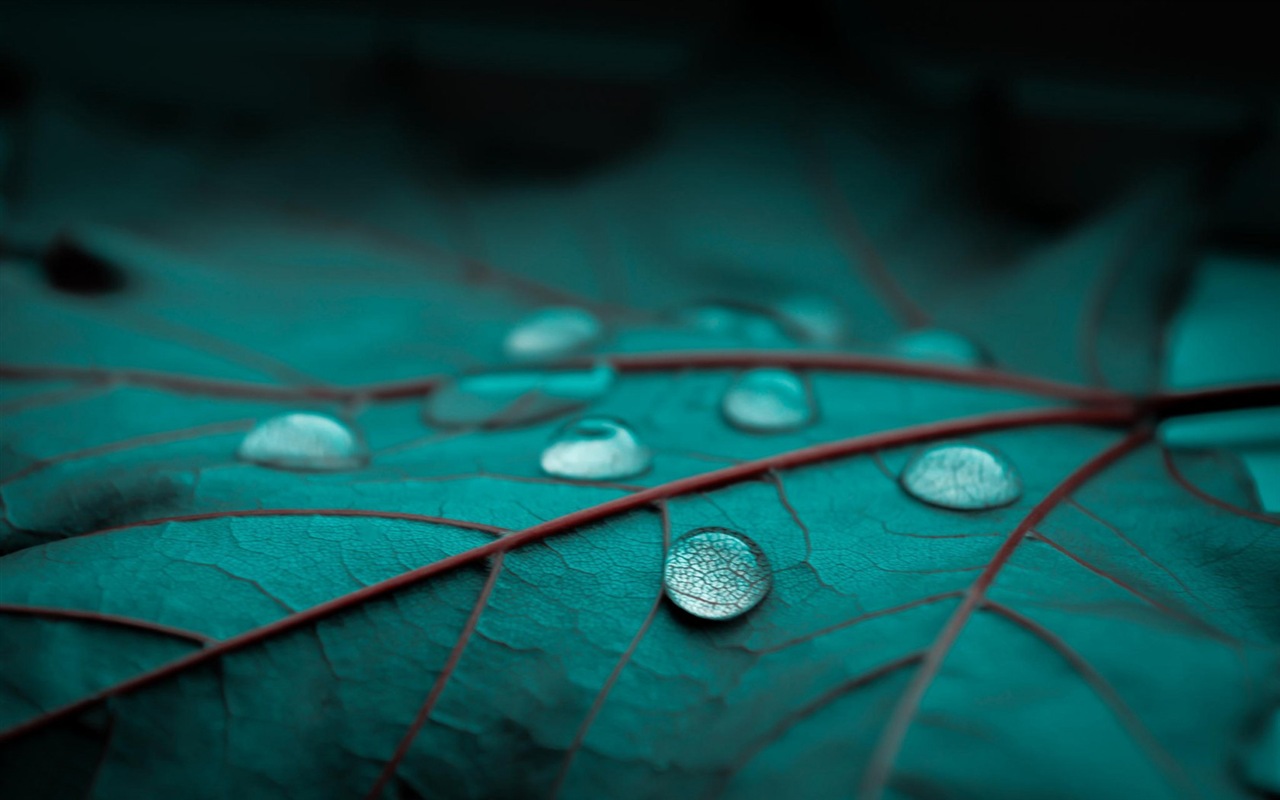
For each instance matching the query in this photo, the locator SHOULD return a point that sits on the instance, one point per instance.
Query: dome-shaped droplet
(814, 318)
(552, 333)
(595, 449)
(940, 346)
(508, 399)
(1262, 758)
(768, 400)
(303, 441)
(738, 323)
(961, 476)
(716, 573)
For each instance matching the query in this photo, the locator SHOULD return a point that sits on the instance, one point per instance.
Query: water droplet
(515, 398)
(552, 333)
(941, 346)
(716, 573)
(733, 322)
(595, 449)
(1262, 759)
(305, 442)
(961, 476)
(767, 400)
(815, 318)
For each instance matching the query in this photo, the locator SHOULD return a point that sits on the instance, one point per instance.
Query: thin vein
(576, 746)
(704, 481)
(1131, 721)
(442, 680)
(48, 612)
(883, 757)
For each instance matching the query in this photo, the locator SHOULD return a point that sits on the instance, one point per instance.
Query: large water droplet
(768, 400)
(552, 333)
(1262, 759)
(515, 398)
(716, 573)
(734, 322)
(961, 476)
(305, 442)
(595, 449)
(940, 346)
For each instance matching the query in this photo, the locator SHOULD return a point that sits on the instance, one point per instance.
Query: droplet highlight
(303, 441)
(741, 324)
(596, 449)
(511, 399)
(716, 573)
(939, 346)
(816, 319)
(961, 476)
(768, 400)
(552, 333)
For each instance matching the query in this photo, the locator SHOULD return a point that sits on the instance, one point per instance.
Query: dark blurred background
(1069, 101)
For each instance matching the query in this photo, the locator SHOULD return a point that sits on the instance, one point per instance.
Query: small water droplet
(940, 346)
(767, 400)
(732, 322)
(961, 476)
(815, 318)
(716, 573)
(515, 398)
(1262, 759)
(304, 442)
(595, 449)
(552, 333)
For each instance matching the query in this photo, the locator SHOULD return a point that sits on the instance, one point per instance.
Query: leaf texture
(450, 622)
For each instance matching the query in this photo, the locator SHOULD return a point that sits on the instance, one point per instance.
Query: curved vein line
(848, 623)
(852, 363)
(437, 688)
(776, 480)
(853, 240)
(162, 437)
(707, 480)
(790, 720)
(1205, 627)
(1105, 691)
(576, 746)
(106, 619)
(358, 513)
(880, 766)
(1183, 481)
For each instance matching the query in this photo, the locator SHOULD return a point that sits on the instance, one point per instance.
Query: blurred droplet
(304, 442)
(1262, 759)
(940, 346)
(767, 400)
(961, 476)
(552, 333)
(716, 573)
(501, 399)
(815, 318)
(739, 324)
(595, 449)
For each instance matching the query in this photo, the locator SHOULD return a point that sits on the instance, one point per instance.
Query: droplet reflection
(768, 400)
(939, 346)
(303, 441)
(961, 476)
(508, 399)
(595, 449)
(552, 333)
(716, 573)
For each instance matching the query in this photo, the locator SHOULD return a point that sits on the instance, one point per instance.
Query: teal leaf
(451, 619)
